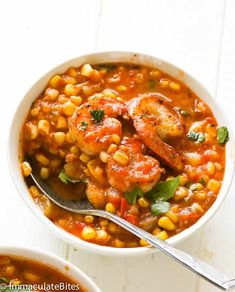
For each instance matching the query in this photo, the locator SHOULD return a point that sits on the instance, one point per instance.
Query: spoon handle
(197, 266)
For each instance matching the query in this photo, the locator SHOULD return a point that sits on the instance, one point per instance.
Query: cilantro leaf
(164, 190)
(222, 135)
(84, 125)
(159, 207)
(197, 137)
(97, 115)
(132, 195)
(65, 178)
(108, 67)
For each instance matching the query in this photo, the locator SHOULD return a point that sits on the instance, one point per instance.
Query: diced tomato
(115, 199)
(132, 219)
(124, 207)
(80, 225)
(189, 216)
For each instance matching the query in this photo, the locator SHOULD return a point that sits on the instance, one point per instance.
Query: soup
(133, 141)
(33, 276)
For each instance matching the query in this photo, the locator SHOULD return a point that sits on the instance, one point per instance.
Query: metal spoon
(197, 266)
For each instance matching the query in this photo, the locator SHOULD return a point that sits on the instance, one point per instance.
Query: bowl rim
(51, 260)
(105, 250)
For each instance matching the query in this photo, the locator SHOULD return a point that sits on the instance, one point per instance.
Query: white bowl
(37, 88)
(52, 261)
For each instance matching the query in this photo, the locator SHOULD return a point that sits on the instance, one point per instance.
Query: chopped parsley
(97, 115)
(196, 136)
(222, 135)
(84, 125)
(65, 178)
(160, 194)
(131, 196)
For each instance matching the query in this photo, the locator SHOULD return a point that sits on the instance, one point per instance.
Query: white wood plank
(35, 36)
(218, 238)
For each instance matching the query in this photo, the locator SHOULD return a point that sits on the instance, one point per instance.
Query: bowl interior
(37, 88)
(54, 262)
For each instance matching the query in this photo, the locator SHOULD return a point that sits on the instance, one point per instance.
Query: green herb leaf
(197, 137)
(164, 190)
(84, 125)
(132, 196)
(97, 115)
(4, 280)
(108, 67)
(151, 83)
(160, 207)
(65, 178)
(202, 181)
(222, 135)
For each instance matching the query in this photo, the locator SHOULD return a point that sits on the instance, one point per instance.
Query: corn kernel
(131, 244)
(69, 80)
(84, 158)
(59, 138)
(51, 94)
(112, 227)
(55, 163)
(180, 194)
(69, 138)
(119, 243)
(86, 70)
(42, 159)
(34, 112)
(197, 207)
(165, 223)
(162, 235)
(104, 156)
(70, 89)
(103, 222)
(43, 127)
(201, 195)
(112, 148)
(210, 168)
(164, 83)
(218, 166)
(74, 150)
(143, 242)
(10, 270)
(26, 169)
(89, 219)
(156, 230)
(55, 81)
(110, 208)
(213, 185)
(143, 202)
(61, 123)
(122, 88)
(72, 72)
(116, 138)
(109, 93)
(196, 187)
(88, 233)
(62, 99)
(174, 86)
(183, 180)
(121, 157)
(31, 277)
(44, 172)
(155, 74)
(34, 191)
(171, 215)
(77, 100)
(102, 236)
(68, 108)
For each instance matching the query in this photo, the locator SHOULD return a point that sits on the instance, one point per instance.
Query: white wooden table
(198, 36)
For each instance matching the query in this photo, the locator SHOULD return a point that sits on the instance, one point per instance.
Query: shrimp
(91, 136)
(141, 171)
(155, 122)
